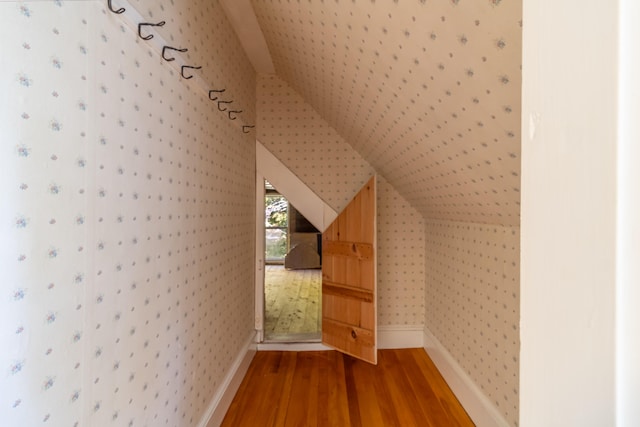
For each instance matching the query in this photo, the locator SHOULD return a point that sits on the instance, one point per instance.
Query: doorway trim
(316, 210)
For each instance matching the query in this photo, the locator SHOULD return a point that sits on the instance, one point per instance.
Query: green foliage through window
(276, 214)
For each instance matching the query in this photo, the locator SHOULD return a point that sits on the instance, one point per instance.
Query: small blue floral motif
(19, 330)
(57, 3)
(83, 50)
(54, 157)
(19, 294)
(77, 336)
(56, 63)
(46, 417)
(102, 192)
(55, 125)
(121, 75)
(52, 253)
(51, 317)
(75, 395)
(16, 367)
(103, 141)
(96, 407)
(99, 299)
(79, 220)
(54, 188)
(25, 11)
(103, 89)
(54, 94)
(21, 222)
(26, 45)
(21, 257)
(48, 352)
(98, 352)
(24, 80)
(55, 31)
(78, 278)
(17, 403)
(48, 383)
(25, 116)
(103, 37)
(51, 286)
(23, 150)
(82, 106)
(52, 221)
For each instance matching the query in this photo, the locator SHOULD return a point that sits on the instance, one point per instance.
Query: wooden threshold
(327, 388)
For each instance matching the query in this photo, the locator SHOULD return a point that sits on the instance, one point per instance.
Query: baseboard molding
(400, 336)
(478, 406)
(222, 399)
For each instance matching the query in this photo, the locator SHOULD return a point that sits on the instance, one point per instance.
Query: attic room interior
(500, 137)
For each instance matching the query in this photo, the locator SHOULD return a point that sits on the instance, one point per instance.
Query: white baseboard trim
(478, 406)
(222, 399)
(400, 336)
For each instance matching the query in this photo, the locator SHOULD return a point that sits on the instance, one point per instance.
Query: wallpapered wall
(428, 93)
(127, 218)
(473, 295)
(291, 129)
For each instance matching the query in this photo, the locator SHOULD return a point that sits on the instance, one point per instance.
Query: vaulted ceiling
(427, 91)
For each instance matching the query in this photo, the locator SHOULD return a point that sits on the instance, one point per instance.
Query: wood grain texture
(328, 388)
(349, 279)
(292, 304)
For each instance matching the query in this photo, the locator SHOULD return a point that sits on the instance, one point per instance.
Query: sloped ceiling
(428, 92)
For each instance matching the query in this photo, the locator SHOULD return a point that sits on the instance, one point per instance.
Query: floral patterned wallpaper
(295, 133)
(473, 297)
(428, 94)
(127, 219)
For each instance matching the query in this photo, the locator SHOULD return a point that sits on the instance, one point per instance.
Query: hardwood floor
(327, 388)
(292, 304)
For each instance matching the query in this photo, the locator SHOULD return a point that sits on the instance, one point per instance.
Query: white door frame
(298, 194)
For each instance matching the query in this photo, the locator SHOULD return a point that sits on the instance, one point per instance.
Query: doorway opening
(293, 274)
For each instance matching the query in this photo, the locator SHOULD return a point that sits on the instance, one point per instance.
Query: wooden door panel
(349, 278)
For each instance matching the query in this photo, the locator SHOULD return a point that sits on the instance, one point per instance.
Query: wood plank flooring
(292, 304)
(327, 388)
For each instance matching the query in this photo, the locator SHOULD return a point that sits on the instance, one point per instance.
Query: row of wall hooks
(214, 94)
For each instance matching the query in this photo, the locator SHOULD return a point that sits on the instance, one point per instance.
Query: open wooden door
(349, 278)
